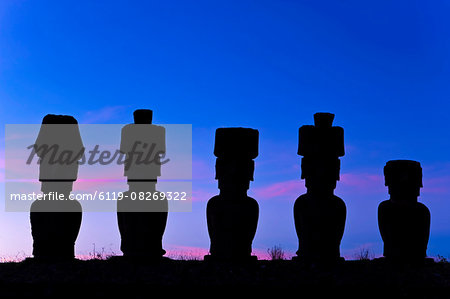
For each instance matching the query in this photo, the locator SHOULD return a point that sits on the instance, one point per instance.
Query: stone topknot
(322, 139)
(236, 142)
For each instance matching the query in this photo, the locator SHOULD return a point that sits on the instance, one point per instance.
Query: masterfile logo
(99, 165)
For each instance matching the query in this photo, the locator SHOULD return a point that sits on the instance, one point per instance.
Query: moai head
(403, 179)
(144, 145)
(61, 134)
(321, 145)
(235, 149)
(58, 167)
(143, 116)
(58, 119)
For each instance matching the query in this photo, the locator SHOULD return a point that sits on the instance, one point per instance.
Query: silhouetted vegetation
(364, 254)
(441, 259)
(276, 253)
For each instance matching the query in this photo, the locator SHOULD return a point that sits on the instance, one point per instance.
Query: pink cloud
(202, 195)
(437, 185)
(349, 183)
(102, 115)
(361, 183)
(290, 189)
(202, 170)
(373, 183)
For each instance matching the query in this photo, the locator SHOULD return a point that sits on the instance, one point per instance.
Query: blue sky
(383, 68)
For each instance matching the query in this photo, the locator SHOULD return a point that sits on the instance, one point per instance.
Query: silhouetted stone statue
(232, 216)
(141, 218)
(55, 223)
(404, 223)
(320, 215)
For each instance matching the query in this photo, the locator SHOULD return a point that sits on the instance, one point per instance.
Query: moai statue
(142, 212)
(232, 216)
(404, 223)
(55, 223)
(320, 215)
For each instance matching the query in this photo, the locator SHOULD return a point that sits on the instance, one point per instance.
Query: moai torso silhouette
(320, 215)
(232, 216)
(404, 223)
(141, 218)
(55, 223)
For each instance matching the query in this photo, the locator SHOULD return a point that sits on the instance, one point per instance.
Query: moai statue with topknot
(404, 222)
(142, 212)
(56, 220)
(320, 215)
(232, 216)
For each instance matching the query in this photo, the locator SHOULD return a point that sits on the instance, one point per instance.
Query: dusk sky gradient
(382, 67)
